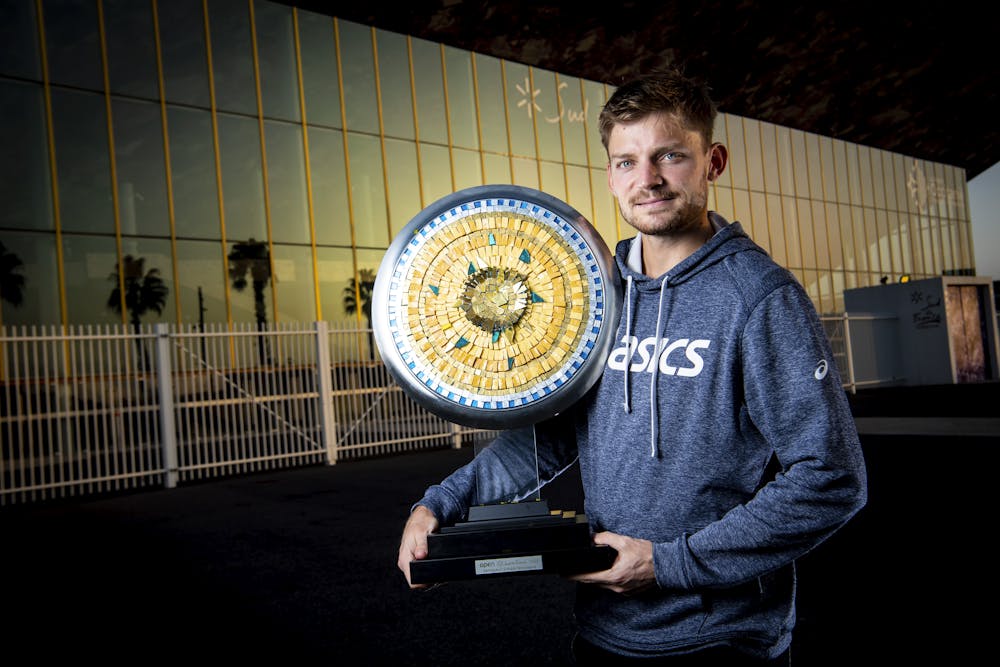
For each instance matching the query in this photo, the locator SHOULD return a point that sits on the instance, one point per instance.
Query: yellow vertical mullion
(534, 125)
(111, 159)
(562, 137)
(218, 168)
(308, 168)
(263, 159)
(447, 116)
(826, 219)
(506, 117)
(166, 158)
(416, 119)
(479, 118)
(381, 143)
(53, 171)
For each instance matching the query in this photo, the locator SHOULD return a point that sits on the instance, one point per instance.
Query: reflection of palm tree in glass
(144, 291)
(11, 280)
(252, 258)
(362, 289)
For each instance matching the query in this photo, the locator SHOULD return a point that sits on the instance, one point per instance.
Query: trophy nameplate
(496, 307)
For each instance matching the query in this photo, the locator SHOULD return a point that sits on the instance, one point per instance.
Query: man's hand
(632, 570)
(413, 545)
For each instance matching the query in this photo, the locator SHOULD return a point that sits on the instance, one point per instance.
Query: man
(717, 447)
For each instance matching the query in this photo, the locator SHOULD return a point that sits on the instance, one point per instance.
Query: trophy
(496, 307)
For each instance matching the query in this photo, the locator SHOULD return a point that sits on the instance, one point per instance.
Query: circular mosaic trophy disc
(496, 306)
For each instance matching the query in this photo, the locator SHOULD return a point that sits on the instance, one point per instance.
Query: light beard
(688, 218)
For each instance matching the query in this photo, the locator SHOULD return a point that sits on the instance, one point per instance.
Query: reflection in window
(293, 284)
(31, 279)
(83, 166)
(18, 34)
(334, 267)
(249, 267)
(232, 56)
(88, 261)
(201, 281)
(318, 50)
(276, 53)
(192, 164)
(25, 188)
(131, 48)
(71, 40)
(286, 181)
(142, 196)
(185, 61)
(149, 285)
(329, 187)
(368, 192)
(242, 178)
(358, 67)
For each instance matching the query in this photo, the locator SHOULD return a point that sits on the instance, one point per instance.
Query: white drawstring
(628, 345)
(654, 421)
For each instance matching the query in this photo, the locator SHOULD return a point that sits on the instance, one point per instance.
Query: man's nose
(649, 175)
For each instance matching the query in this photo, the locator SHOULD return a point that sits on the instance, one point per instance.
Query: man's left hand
(632, 570)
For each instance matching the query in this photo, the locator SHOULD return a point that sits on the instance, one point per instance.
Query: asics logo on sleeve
(676, 357)
(821, 369)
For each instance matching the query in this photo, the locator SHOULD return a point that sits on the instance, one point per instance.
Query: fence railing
(97, 409)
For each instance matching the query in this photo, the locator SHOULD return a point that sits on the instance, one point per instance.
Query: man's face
(659, 172)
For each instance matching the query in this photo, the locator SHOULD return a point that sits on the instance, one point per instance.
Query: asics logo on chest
(676, 357)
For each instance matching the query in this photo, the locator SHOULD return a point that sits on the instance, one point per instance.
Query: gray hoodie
(733, 451)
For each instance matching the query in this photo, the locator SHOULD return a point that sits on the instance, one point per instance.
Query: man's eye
(625, 164)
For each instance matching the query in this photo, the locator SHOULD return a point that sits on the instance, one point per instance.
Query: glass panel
(286, 181)
(358, 66)
(800, 177)
(368, 261)
(131, 48)
(293, 284)
(201, 281)
(461, 100)
(232, 56)
(497, 169)
(468, 169)
(828, 169)
(860, 253)
(737, 151)
(318, 50)
(578, 195)
(25, 185)
(335, 267)
(807, 235)
(331, 215)
(429, 86)
(878, 184)
(606, 210)
(547, 119)
(574, 127)
(785, 161)
(522, 106)
(841, 192)
(492, 112)
(836, 254)
(525, 172)
(84, 170)
(761, 223)
(242, 178)
(279, 79)
(885, 258)
(436, 170)
(871, 242)
(33, 259)
(741, 214)
(192, 164)
(19, 35)
(142, 189)
(895, 247)
(554, 180)
(769, 153)
(889, 180)
(595, 95)
(865, 176)
(818, 210)
(394, 82)
(371, 228)
(89, 263)
(813, 162)
(775, 220)
(152, 274)
(73, 45)
(754, 158)
(250, 276)
(852, 161)
(404, 187)
(185, 61)
(792, 224)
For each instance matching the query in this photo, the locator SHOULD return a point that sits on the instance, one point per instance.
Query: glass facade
(185, 132)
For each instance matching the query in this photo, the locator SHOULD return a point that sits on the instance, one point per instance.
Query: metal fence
(100, 409)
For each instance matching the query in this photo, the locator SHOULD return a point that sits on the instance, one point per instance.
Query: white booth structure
(940, 330)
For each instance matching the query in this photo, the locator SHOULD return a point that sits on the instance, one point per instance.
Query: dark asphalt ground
(299, 566)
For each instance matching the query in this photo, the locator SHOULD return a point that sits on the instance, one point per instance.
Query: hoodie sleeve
(794, 397)
(511, 468)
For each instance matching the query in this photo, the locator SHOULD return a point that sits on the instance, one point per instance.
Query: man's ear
(718, 158)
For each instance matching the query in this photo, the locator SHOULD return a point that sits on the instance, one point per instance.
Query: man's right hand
(413, 545)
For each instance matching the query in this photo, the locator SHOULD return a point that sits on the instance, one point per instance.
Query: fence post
(324, 387)
(456, 436)
(849, 353)
(165, 387)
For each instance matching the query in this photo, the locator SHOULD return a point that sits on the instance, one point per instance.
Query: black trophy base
(508, 540)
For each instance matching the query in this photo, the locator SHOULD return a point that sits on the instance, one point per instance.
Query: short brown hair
(667, 90)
